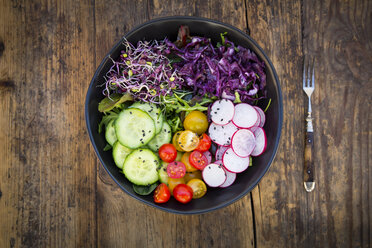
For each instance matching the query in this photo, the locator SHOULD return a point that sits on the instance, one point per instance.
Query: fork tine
(312, 76)
(308, 74)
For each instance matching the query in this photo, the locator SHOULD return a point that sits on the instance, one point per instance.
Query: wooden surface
(55, 193)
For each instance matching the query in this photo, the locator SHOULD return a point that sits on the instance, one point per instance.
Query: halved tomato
(188, 140)
(176, 169)
(198, 160)
(183, 193)
(198, 187)
(175, 141)
(162, 193)
(204, 143)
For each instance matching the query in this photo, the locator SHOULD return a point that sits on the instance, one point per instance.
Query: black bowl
(216, 197)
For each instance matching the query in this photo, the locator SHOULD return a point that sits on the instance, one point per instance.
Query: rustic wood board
(55, 193)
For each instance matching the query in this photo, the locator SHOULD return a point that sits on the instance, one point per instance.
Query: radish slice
(233, 162)
(261, 142)
(230, 179)
(208, 155)
(262, 116)
(220, 151)
(222, 111)
(258, 119)
(245, 115)
(214, 175)
(222, 134)
(243, 142)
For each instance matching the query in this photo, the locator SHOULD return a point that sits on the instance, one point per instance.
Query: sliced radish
(222, 111)
(245, 115)
(258, 119)
(220, 151)
(233, 162)
(262, 116)
(243, 142)
(222, 134)
(230, 179)
(214, 175)
(208, 155)
(261, 142)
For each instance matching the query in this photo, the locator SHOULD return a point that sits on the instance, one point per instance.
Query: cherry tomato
(198, 160)
(167, 153)
(188, 140)
(162, 193)
(173, 182)
(183, 193)
(199, 188)
(204, 143)
(186, 161)
(196, 121)
(176, 169)
(175, 141)
(193, 175)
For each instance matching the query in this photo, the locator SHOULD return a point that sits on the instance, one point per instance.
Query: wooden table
(55, 193)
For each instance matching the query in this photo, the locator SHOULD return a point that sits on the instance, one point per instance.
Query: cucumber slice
(134, 128)
(110, 133)
(119, 153)
(163, 175)
(140, 167)
(154, 112)
(162, 138)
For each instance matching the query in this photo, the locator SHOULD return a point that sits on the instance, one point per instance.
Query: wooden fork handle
(309, 162)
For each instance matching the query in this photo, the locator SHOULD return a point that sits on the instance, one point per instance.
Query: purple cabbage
(220, 71)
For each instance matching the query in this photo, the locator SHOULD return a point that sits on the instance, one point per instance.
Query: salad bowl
(215, 198)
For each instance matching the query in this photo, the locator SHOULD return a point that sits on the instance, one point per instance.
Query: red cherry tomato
(176, 169)
(198, 160)
(204, 143)
(162, 193)
(183, 193)
(167, 153)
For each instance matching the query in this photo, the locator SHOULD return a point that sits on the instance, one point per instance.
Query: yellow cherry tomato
(198, 187)
(193, 175)
(185, 160)
(173, 182)
(188, 140)
(196, 121)
(175, 141)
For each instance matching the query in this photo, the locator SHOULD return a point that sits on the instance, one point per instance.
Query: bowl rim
(280, 117)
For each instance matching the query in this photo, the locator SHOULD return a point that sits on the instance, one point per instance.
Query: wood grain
(55, 193)
(47, 178)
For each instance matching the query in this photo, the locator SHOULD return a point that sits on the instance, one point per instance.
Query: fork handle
(309, 162)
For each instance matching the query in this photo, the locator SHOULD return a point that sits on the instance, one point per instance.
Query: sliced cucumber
(162, 138)
(163, 175)
(110, 133)
(154, 111)
(134, 128)
(120, 152)
(140, 167)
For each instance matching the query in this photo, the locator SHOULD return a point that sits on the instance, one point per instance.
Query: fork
(308, 87)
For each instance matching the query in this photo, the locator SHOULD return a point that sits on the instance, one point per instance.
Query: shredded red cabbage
(222, 71)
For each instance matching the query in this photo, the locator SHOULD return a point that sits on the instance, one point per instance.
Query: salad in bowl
(184, 118)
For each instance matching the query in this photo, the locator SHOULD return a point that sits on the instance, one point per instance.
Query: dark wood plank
(338, 212)
(47, 174)
(122, 218)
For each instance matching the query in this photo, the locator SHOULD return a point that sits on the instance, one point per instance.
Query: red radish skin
(233, 162)
(243, 142)
(230, 179)
(262, 116)
(208, 155)
(221, 134)
(222, 111)
(257, 124)
(261, 142)
(214, 175)
(220, 151)
(245, 115)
